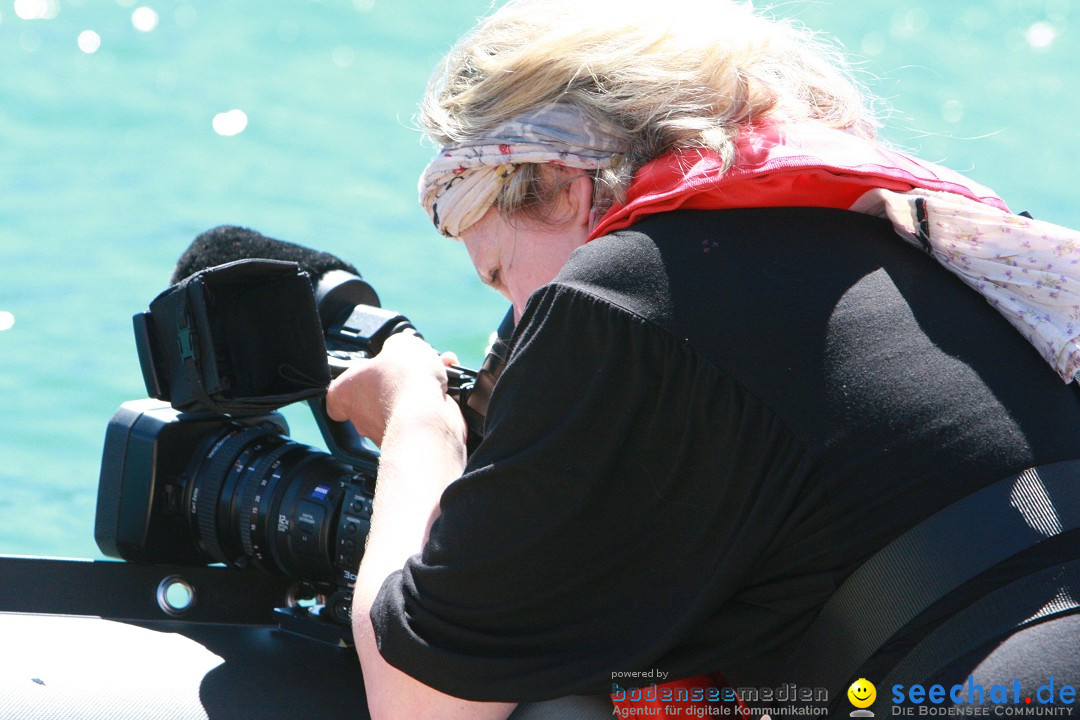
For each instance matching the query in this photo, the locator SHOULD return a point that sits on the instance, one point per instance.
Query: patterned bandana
(463, 180)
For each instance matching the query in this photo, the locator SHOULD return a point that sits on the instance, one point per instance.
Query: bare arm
(399, 400)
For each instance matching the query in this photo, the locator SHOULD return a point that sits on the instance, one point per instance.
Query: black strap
(923, 220)
(1051, 590)
(930, 561)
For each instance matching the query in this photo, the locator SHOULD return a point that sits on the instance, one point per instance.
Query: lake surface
(126, 129)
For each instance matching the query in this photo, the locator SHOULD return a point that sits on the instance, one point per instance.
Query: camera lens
(256, 498)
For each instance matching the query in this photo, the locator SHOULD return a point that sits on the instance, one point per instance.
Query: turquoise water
(110, 164)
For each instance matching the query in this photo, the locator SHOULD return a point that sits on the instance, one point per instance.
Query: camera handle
(342, 439)
(347, 445)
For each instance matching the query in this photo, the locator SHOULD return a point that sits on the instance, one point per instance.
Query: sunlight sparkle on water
(89, 41)
(144, 19)
(230, 123)
(952, 111)
(343, 56)
(36, 9)
(1041, 35)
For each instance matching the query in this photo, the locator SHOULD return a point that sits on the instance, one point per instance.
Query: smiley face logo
(862, 693)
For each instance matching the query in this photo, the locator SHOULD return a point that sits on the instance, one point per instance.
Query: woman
(726, 388)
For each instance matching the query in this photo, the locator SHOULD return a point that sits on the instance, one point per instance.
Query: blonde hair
(658, 75)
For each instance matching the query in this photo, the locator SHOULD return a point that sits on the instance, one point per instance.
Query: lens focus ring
(214, 477)
(249, 507)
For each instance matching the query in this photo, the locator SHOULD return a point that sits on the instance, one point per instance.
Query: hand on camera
(407, 376)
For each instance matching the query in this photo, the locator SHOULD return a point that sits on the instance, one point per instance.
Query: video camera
(204, 472)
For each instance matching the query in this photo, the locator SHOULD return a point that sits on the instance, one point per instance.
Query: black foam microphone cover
(227, 243)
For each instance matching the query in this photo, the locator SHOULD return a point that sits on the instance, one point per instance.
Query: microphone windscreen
(227, 243)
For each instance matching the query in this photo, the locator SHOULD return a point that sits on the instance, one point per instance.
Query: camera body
(204, 472)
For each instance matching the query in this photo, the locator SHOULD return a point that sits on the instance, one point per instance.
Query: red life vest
(795, 165)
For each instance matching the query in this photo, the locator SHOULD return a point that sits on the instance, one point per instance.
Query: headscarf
(463, 180)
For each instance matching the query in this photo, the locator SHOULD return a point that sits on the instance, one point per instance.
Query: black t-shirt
(705, 424)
